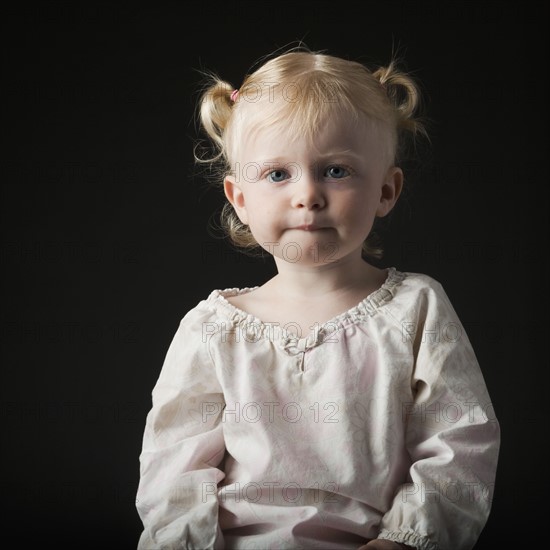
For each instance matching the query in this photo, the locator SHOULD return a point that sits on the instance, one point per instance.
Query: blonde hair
(300, 89)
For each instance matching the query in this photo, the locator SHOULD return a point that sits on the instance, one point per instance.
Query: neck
(304, 282)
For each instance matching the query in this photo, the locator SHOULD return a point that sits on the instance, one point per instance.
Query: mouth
(309, 227)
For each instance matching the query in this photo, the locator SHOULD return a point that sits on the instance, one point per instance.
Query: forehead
(337, 133)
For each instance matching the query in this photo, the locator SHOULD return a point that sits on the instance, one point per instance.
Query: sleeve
(183, 448)
(452, 436)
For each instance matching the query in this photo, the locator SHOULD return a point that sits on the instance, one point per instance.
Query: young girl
(338, 405)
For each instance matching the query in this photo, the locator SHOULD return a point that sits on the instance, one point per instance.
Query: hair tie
(234, 95)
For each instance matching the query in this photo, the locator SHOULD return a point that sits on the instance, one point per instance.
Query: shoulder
(191, 335)
(410, 286)
(215, 308)
(418, 295)
(424, 285)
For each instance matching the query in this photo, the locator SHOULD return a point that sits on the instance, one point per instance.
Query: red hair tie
(234, 95)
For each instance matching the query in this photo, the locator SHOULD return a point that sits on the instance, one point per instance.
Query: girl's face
(313, 202)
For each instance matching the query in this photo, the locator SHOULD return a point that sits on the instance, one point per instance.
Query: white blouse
(378, 424)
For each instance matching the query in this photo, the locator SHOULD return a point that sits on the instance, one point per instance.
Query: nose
(308, 193)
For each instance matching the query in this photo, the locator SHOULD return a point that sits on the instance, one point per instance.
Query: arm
(182, 448)
(453, 437)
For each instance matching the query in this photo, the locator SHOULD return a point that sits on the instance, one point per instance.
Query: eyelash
(287, 175)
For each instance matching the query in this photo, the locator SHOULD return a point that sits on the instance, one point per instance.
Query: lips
(309, 227)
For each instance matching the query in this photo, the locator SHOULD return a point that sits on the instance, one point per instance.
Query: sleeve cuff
(409, 537)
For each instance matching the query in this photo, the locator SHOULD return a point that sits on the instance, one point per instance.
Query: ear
(391, 189)
(235, 196)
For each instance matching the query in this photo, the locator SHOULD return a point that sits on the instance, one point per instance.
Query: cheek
(358, 214)
(355, 206)
(262, 216)
(263, 208)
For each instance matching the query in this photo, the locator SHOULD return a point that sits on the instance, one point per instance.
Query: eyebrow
(274, 160)
(330, 154)
(343, 153)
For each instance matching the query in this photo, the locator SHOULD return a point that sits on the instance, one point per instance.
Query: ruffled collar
(253, 329)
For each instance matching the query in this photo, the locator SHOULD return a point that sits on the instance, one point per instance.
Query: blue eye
(277, 176)
(336, 172)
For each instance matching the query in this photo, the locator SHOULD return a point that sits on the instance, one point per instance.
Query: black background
(105, 240)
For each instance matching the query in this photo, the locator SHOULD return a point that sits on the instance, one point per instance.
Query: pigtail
(404, 94)
(405, 98)
(215, 107)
